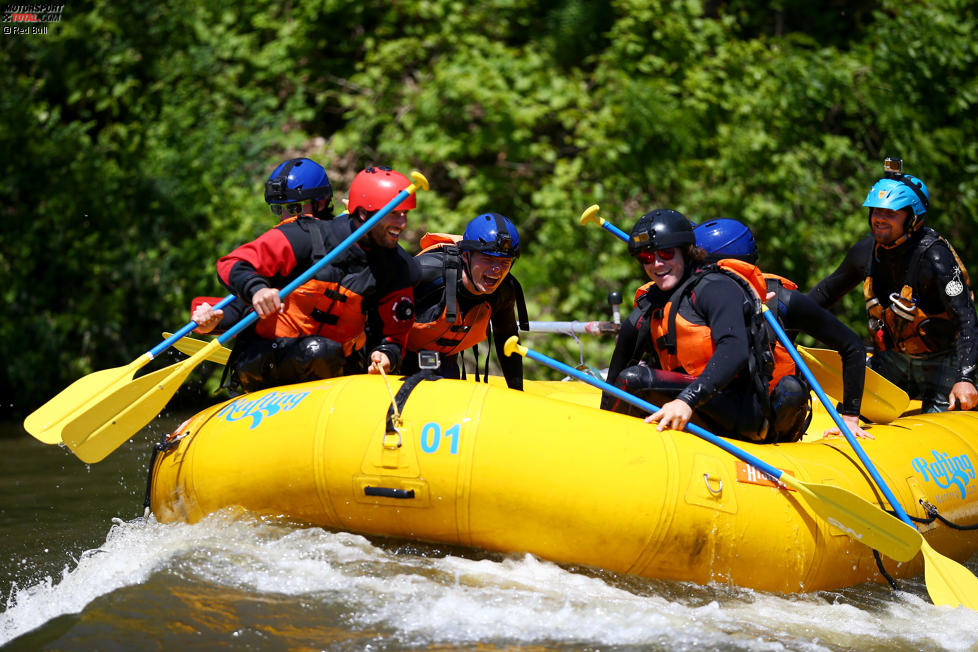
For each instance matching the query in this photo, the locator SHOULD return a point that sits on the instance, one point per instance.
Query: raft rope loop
(394, 418)
(399, 401)
(879, 566)
(936, 515)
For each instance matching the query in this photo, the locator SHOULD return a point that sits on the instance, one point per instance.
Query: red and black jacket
(363, 297)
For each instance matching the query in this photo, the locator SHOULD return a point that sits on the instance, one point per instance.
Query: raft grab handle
(388, 492)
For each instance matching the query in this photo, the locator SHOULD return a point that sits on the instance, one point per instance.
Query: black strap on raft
(401, 397)
(164, 444)
(879, 566)
(934, 515)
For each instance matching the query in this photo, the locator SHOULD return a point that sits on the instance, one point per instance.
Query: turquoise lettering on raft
(946, 470)
(266, 406)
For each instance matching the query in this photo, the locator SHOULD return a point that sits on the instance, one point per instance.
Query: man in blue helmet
(921, 309)
(358, 306)
(464, 289)
(728, 238)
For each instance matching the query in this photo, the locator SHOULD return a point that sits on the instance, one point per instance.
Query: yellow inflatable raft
(545, 472)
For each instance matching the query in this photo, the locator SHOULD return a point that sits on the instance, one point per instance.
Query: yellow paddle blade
(860, 519)
(190, 345)
(882, 400)
(104, 426)
(948, 582)
(108, 423)
(46, 422)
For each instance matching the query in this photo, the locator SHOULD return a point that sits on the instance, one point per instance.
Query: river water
(82, 569)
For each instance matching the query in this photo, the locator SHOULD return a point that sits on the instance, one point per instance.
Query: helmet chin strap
(467, 269)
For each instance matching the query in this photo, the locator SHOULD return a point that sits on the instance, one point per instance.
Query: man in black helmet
(691, 344)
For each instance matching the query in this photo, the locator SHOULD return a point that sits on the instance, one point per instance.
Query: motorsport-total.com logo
(33, 18)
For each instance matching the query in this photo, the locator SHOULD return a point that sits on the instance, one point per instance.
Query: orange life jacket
(907, 326)
(684, 345)
(449, 335)
(321, 308)
(317, 307)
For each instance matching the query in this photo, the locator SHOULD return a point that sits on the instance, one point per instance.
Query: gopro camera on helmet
(275, 189)
(893, 166)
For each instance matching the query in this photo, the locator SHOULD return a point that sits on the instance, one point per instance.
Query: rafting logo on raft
(946, 470)
(266, 406)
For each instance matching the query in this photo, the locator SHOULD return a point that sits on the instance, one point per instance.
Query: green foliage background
(136, 137)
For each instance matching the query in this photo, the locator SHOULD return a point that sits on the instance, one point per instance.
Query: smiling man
(465, 289)
(921, 310)
(689, 345)
(355, 313)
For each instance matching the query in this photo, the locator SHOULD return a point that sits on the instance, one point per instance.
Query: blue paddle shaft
(645, 405)
(800, 363)
(184, 330)
(611, 228)
(252, 316)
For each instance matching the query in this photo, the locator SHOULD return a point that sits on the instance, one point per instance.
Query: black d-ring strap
(407, 386)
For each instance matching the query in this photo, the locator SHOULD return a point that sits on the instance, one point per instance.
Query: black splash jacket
(937, 268)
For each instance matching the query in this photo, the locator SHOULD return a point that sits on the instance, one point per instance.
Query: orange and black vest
(783, 364)
(683, 344)
(904, 322)
(451, 332)
(319, 307)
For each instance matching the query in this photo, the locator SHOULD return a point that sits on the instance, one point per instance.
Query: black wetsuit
(723, 396)
(929, 377)
(429, 299)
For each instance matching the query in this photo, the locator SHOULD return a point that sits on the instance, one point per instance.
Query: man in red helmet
(353, 315)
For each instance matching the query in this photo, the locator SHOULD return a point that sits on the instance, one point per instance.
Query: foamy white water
(433, 599)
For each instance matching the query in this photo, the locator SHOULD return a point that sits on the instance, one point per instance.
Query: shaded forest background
(136, 138)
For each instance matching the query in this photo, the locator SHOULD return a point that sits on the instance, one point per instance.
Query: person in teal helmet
(921, 308)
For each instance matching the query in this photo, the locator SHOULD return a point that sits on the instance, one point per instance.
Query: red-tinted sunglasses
(647, 256)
